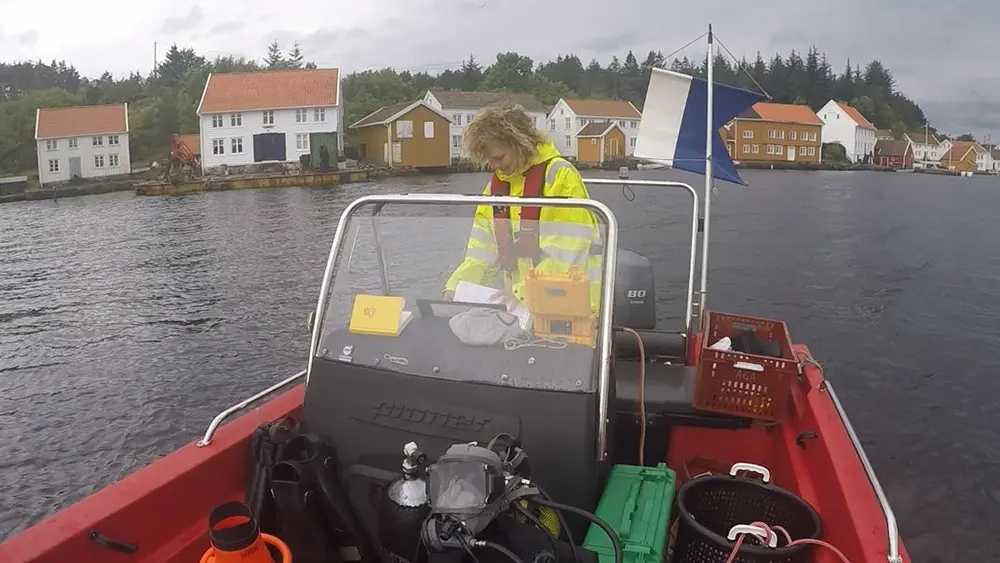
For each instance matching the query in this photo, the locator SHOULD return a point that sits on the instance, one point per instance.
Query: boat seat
(669, 395)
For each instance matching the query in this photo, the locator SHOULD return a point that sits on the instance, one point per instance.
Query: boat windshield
(426, 289)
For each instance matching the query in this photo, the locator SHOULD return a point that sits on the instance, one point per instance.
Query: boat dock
(252, 181)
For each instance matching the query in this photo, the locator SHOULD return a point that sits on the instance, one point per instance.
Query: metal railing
(222, 416)
(892, 528)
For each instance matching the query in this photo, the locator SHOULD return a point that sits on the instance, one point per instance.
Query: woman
(502, 248)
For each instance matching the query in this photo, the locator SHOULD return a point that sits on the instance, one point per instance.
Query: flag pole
(703, 292)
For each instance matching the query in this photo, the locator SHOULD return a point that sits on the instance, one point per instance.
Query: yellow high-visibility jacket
(565, 234)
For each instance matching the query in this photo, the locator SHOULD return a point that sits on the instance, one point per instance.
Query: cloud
(189, 22)
(28, 38)
(227, 27)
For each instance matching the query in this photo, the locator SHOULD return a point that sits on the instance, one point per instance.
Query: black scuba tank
(403, 509)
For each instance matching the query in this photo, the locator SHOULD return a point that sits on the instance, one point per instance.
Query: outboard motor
(404, 508)
(635, 298)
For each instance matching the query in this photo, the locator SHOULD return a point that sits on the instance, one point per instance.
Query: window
(456, 118)
(469, 117)
(268, 117)
(74, 143)
(747, 134)
(98, 161)
(631, 142)
(97, 141)
(593, 141)
(217, 120)
(300, 115)
(404, 129)
(302, 141)
(51, 145)
(781, 134)
(113, 141)
(53, 165)
(746, 149)
(113, 159)
(562, 111)
(319, 114)
(803, 151)
(569, 122)
(621, 123)
(756, 149)
(456, 141)
(236, 119)
(236, 145)
(428, 129)
(569, 141)
(552, 125)
(218, 146)
(812, 151)
(792, 135)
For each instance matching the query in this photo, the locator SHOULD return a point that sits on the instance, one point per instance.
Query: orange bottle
(236, 538)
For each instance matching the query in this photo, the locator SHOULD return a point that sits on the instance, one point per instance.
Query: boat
(585, 397)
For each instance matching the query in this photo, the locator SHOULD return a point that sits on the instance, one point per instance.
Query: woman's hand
(448, 295)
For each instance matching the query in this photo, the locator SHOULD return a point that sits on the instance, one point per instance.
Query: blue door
(269, 147)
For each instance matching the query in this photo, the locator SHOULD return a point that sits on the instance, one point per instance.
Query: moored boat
(586, 394)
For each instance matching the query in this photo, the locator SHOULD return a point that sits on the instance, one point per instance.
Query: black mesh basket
(709, 507)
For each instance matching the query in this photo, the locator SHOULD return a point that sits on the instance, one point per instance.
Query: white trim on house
(399, 114)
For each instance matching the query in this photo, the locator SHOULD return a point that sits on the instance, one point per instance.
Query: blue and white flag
(674, 122)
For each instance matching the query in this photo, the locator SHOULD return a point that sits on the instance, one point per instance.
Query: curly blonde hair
(504, 125)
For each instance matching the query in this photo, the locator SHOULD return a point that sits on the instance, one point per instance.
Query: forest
(165, 101)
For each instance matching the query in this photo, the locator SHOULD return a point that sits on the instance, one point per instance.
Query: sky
(940, 53)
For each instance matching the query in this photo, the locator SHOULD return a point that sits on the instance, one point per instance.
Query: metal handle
(217, 421)
(764, 472)
(771, 539)
(892, 528)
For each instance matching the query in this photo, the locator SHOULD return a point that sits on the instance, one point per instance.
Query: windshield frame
(604, 213)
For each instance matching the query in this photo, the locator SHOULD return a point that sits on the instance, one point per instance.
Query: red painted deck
(164, 507)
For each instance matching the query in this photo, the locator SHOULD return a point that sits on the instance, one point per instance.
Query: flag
(674, 122)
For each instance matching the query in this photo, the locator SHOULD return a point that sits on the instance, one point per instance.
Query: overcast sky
(941, 54)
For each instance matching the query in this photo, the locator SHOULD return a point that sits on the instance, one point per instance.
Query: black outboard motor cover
(635, 295)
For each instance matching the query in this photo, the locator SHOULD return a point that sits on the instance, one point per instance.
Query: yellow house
(410, 134)
(961, 156)
(600, 142)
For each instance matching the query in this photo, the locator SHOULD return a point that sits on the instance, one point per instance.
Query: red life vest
(524, 243)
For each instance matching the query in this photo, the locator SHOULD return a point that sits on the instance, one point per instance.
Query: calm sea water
(127, 323)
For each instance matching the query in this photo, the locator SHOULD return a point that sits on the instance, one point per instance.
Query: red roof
(785, 113)
(80, 121)
(856, 116)
(270, 89)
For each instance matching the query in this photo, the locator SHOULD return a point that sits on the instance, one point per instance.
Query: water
(127, 323)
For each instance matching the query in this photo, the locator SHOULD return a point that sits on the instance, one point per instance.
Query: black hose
(612, 535)
(538, 524)
(497, 547)
(563, 524)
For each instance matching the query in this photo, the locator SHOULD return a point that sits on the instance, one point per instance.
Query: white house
(568, 117)
(268, 116)
(995, 157)
(82, 142)
(463, 107)
(845, 125)
(927, 148)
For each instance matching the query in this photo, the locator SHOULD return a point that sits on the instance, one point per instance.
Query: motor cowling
(635, 293)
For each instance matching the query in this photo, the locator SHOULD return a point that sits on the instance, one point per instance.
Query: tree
(294, 59)
(274, 59)
(165, 102)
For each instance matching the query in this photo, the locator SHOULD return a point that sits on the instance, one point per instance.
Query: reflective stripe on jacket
(565, 234)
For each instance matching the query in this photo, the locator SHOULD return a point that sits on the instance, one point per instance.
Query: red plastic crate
(746, 385)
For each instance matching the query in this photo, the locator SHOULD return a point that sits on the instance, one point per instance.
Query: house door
(74, 167)
(385, 153)
(791, 153)
(397, 153)
(269, 146)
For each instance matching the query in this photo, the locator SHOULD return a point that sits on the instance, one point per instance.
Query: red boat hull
(163, 508)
